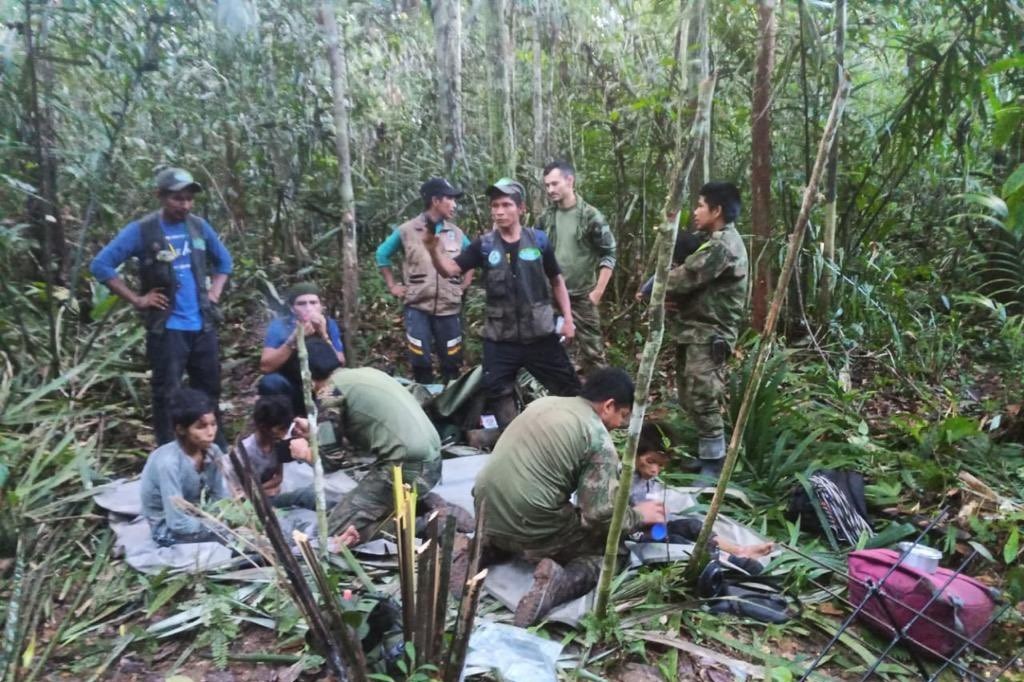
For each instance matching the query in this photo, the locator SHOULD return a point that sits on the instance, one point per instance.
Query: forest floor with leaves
(911, 437)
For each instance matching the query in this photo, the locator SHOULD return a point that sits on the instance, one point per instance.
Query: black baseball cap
(175, 180)
(439, 187)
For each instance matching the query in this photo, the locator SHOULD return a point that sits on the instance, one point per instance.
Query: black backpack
(831, 502)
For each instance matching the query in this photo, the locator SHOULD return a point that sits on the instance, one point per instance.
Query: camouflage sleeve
(330, 418)
(597, 489)
(699, 269)
(603, 240)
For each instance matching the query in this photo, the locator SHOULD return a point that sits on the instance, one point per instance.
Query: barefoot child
(188, 467)
(651, 460)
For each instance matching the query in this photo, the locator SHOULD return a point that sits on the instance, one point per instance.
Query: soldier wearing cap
(183, 268)
(433, 302)
(522, 281)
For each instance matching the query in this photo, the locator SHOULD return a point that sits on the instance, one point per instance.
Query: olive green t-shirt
(577, 260)
(378, 416)
(556, 447)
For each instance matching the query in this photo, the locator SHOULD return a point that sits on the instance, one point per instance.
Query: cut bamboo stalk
(337, 624)
(464, 627)
(425, 557)
(404, 531)
(443, 578)
(767, 343)
(296, 583)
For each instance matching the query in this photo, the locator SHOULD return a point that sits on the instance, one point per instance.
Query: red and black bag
(961, 611)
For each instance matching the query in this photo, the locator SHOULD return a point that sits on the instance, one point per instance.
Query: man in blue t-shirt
(183, 268)
(279, 362)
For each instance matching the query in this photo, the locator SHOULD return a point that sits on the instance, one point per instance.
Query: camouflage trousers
(583, 549)
(701, 385)
(587, 348)
(372, 501)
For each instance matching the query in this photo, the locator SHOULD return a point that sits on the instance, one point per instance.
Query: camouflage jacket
(710, 289)
(593, 247)
(556, 447)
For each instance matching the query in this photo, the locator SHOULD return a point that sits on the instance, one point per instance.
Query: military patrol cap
(439, 187)
(175, 180)
(508, 187)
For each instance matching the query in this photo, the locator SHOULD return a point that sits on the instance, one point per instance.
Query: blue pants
(427, 335)
(276, 383)
(173, 353)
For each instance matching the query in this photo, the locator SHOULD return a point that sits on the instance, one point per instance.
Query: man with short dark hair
(433, 302)
(378, 417)
(279, 361)
(585, 248)
(556, 448)
(709, 291)
(177, 253)
(522, 280)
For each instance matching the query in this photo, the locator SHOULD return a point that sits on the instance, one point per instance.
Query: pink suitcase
(959, 613)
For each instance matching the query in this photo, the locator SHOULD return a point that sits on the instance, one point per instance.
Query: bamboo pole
(463, 627)
(663, 247)
(314, 441)
(334, 653)
(357, 663)
(699, 557)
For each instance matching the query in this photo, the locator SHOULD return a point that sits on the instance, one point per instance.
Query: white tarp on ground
(506, 582)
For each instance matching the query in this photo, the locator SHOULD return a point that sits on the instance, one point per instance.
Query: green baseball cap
(175, 180)
(508, 187)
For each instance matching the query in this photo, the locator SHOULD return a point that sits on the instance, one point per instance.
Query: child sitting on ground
(268, 448)
(189, 468)
(651, 460)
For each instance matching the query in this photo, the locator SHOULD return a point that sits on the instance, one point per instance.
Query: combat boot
(553, 586)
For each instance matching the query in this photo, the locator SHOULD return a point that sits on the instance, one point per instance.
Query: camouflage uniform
(379, 417)
(591, 246)
(709, 289)
(556, 447)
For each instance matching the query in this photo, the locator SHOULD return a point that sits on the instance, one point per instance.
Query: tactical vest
(156, 273)
(425, 288)
(518, 304)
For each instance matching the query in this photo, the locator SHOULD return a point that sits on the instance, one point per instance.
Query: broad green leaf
(1014, 183)
(1012, 546)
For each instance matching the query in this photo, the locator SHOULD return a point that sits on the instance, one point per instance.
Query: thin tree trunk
(501, 68)
(447, 17)
(539, 142)
(349, 254)
(45, 211)
(649, 359)
(761, 163)
(832, 176)
(698, 560)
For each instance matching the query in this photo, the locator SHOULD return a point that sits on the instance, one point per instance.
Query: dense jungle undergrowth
(903, 329)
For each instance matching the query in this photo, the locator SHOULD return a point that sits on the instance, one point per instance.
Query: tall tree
(447, 18)
(503, 130)
(761, 162)
(832, 172)
(539, 140)
(349, 254)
